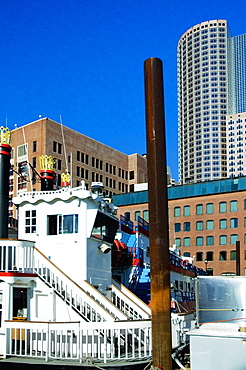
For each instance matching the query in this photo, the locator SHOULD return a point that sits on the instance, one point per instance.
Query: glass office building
(211, 83)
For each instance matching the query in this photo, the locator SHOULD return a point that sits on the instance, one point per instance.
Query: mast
(158, 214)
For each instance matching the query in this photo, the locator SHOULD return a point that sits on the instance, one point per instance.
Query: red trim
(17, 274)
(50, 171)
(47, 177)
(3, 152)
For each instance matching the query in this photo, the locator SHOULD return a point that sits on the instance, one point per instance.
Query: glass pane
(199, 225)
(199, 209)
(186, 242)
(177, 212)
(186, 210)
(233, 205)
(187, 226)
(177, 227)
(222, 207)
(223, 224)
(233, 238)
(209, 208)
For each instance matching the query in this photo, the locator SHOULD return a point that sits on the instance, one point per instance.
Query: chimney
(5, 153)
(46, 172)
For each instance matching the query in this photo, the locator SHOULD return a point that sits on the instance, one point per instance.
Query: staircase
(86, 300)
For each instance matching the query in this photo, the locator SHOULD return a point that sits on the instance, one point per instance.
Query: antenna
(65, 154)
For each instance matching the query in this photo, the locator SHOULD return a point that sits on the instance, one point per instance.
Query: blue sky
(83, 60)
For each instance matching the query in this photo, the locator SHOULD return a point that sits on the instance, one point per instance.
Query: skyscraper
(237, 74)
(211, 83)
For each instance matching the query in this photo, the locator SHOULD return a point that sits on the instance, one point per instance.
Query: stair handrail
(125, 298)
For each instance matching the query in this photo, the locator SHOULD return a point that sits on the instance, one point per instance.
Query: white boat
(59, 299)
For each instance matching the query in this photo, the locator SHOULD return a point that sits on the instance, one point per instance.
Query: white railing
(104, 341)
(129, 303)
(104, 301)
(16, 256)
(74, 295)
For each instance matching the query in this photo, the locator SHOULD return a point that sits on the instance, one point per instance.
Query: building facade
(211, 83)
(84, 158)
(205, 221)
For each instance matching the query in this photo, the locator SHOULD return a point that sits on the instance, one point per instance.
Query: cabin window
(62, 224)
(105, 227)
(30, 222)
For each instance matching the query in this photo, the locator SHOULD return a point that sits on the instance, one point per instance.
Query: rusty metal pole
(238, 272)
(158, 214)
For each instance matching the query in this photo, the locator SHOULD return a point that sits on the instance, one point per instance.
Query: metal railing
(103, 342)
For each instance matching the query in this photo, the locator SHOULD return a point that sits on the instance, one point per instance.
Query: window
(199, 209)
(199, 225)
(233, 223)
(199, 256)
(177, 242)
(186, 210)
(233, 255)
(233, 238)
(127, 216)
(104, 227)
(233, 206)
(177, 227)
(187, 242)
(59, 148)
(223, 256)
(223, 224)
(209, 208)
(199, 241)
(209, 240)
(34, 146)
(223, 240)
(146, 215)
(177, 212)
(30, 221)
(137, 214)
(210, 256)
(210, 225)
(222, 207)
(131, 175)
(186, 254)
(22, 150)
(55, 146)
(62, 224)
(186, 226)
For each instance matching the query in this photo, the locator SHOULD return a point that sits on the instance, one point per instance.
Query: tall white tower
(203, 101)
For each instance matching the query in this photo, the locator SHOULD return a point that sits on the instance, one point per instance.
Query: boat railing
(16, 256)
(81, 342)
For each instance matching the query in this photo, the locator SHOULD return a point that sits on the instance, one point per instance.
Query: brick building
(205, 221)
(84, 158)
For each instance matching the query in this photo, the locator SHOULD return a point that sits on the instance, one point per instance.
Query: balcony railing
(90, 342)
